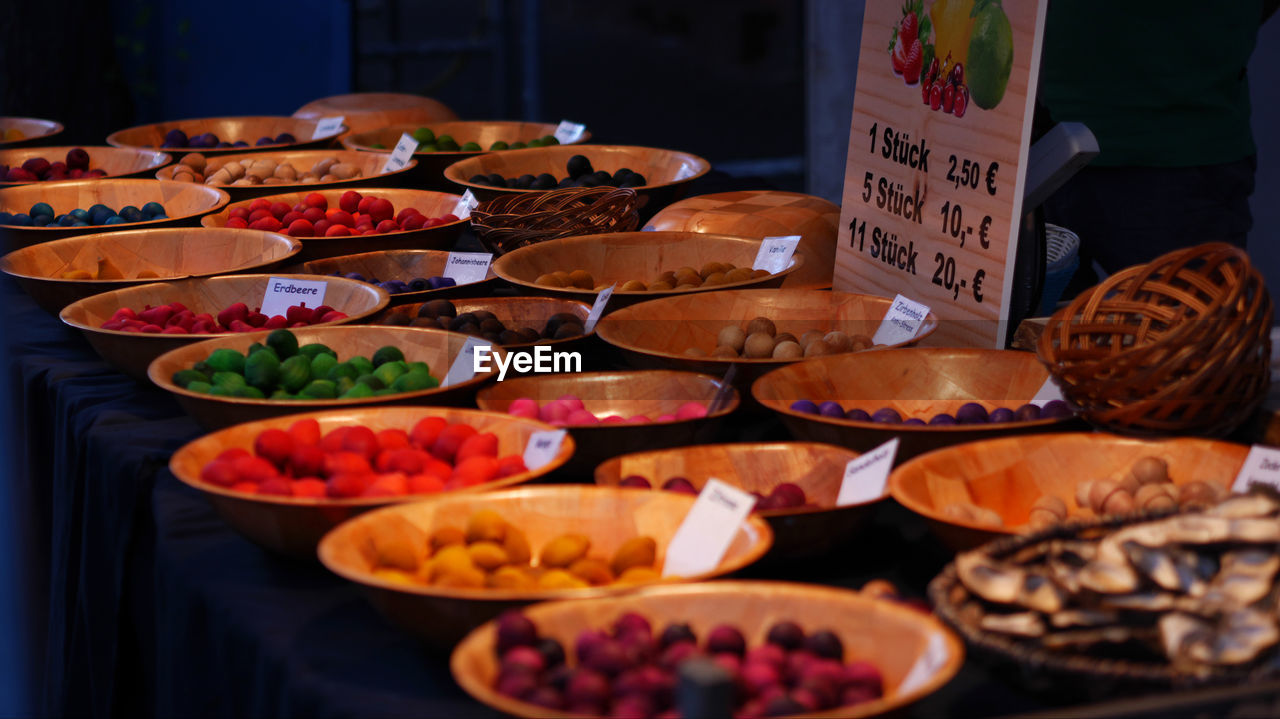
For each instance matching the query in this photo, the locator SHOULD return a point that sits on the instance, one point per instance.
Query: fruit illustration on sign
(990, 54)
(952, 22)
(907, 54)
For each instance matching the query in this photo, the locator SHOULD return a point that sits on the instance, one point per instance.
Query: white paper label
(466, 205)
(327, 127)
(467, 267)
(775, 253)
(597, 309)
(1261, 466)
(464, 365)
(901, 322)
(707, 530)
(402, 154)
(542, 448)
(927, 666)
(284, 293)
(866, 476)
(1048, 392)
(567, 132)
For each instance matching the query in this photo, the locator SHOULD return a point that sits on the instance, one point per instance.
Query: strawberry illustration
(914, 63)
(909, 30)
(898, 58)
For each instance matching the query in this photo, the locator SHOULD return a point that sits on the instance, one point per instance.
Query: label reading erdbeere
(865, 476)
(567, 132)
(283, 293)
(467, 267)
(901, 322)
(327, 127)
(402, 153)
(707, 530)
(597, 308)
(464, 365)
(542, 448)
(775, 253)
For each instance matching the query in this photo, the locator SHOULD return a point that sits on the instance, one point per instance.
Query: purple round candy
(971, 413)
(914, 421)
(943, 419)
(1001, 414)
(804, 405)
(831, 409)
(1055, 409)
(886, 415)
(285, 138)
(1027, 413)
(857, 415)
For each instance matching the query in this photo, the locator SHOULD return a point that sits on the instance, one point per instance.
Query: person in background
(1162, 85)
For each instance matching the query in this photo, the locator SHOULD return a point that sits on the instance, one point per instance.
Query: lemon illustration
(990, 56)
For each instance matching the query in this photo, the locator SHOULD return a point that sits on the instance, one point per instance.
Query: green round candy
(284, 342)
(424, 135)
(225, 360)
(550, 140)
(185, 377)
(518, 146)
(357, 391)
(199, 386)
(446, 144)
(470, 147)
(319, 389)
(388, 353)
(262, 370)
(322, 365)
(499, 145)
(311, 350)
(427, 147)
(371, 380)
(295, 373)
(248, 392)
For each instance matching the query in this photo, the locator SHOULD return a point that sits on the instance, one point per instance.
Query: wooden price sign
(937, 158)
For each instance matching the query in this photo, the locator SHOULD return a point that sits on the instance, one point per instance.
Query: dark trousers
(1130, 215)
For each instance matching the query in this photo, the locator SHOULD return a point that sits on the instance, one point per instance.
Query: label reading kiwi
(1262, 466)
(775, 253)
(865, 477)
(597, 309)
(467, 267)
(931, 661)
(402, 154)
(476, 356)
(327, 127)
(707, 530)
(465, 206)
(542, 448)
(567, 132)
(901, 322)
(282, 293)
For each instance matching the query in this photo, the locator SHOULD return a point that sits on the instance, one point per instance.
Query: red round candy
(279, 209)
(350, 201)
(337, 231)
(317, 200)
(301, 228)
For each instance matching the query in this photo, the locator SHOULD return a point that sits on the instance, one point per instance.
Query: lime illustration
(990, 55)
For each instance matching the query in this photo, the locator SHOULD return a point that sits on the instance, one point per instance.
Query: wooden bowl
(435, 347)
(228, 129)
(667, 172)
(132, 352)
(482, 132)
(816, 468)
(294, 525)
(516, 312)
(895, 638)
(184, 203)
(651, 393)
(115, 161)
(399, 265)
(620, 256)
(760, 214)
(370, 165)
(431, 204)
(364, 111)
(915, 381)
(165, 254)
(606, 515)
(36, 131)
(1009, 474)
(655, 334)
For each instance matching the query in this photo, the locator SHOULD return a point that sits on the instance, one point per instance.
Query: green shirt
(1160, 84)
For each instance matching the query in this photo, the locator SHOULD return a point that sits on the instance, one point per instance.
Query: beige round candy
(732, 336)
(195, 161)
(723, 351)
(861, 342)
(839, 341)
(1155, 497)
(809, 337)
(633, 286)
(695, 352)
(1150, 470)
(1119, 502)
(817, 348)
(787, 350)
(758, 346)
(1101, 490)
(321, 168)
(285, 171)
(762, 324)
(344, 171)
(1082, 493)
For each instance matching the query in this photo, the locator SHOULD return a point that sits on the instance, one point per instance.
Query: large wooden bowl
(656, 334)
(435, 347)
(364, 111)
(1009, 474)
(142, 257)
(816, 468)
(228, 129)
(606, 515)
(35, 130)
(620, 256)
(132, 352)
(399, 265)
(667, 172)
(431, 204)
(652, 393)
(517, 312)
(370, 165)
(294, 525)
(765, 213)
(893, 637)
(184, 203)
(115, 161)
(482, 132)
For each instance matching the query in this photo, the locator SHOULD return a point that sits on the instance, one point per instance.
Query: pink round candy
(581, 416)
(570, 401)
(523, 406)
(525, 412)
(665, 418)
(639, 419)
(691, 410)
(614, 419)
(554, 412)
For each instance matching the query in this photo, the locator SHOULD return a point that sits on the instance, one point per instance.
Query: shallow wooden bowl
(915, 381)
(765, 213)
(115, 161)
(1009, 474)
(435, 347)
(667, 172)
(364, 111)
(816, 468)
(431, 204)
(657, 333)
(620, 256)
(132, 352)
(895, 638)
(517, 312)
(184, 203)
(608, 516)
(228, 129)
(36, 131)
(399, 265)
(164, 255)
(294, 525)
(370, 165)
(651, 393)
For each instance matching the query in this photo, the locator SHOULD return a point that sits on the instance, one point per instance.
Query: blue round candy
(857, 415)
(115, 220)
(886, 415)
(1001, 414)
(914, 422)
(153, 208)
(448, 282)
(239, 143)
(41, 208)
(831, 409)
(68, 220)
(6, 218)
(354, 276)
(41, 220)
(79, 214)
(285, 138)
(418, 284)
(1055, 409)
(22, 219)
(971, 413)
(160, 217)
(943, 419)
(804, 405)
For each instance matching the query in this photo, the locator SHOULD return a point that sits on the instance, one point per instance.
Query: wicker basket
(1179, 345)
(510, 222)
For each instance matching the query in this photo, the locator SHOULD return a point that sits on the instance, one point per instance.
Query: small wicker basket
(510, 222)
(1179, 345)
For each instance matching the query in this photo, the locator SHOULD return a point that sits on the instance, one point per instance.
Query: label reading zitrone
(901, 322)
(707, 530)
(327, 127)
(542, 448)
(401, 155)
(282, 293)
(866, 476)
(775, 253)
(467, 267)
